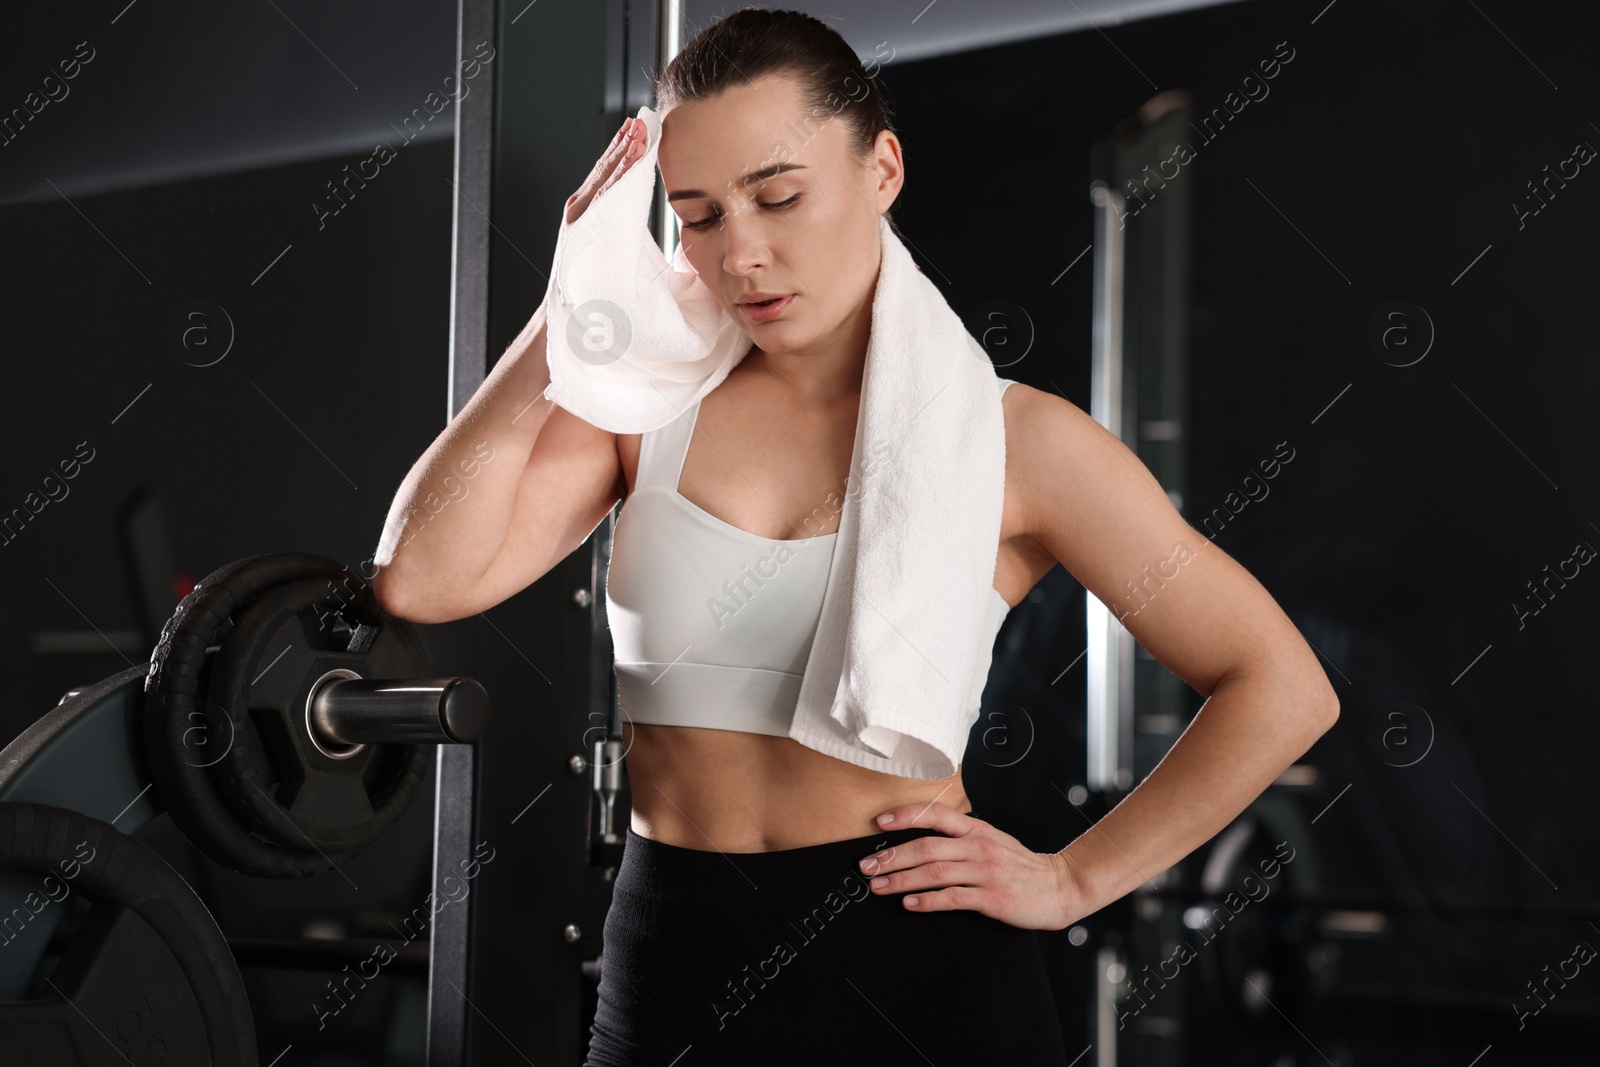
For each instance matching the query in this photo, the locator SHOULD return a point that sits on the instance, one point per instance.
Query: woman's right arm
(513, 485)
(510, 488)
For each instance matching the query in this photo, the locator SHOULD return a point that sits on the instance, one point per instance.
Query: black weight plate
(147, 978)
(282, 643)
(183, 730)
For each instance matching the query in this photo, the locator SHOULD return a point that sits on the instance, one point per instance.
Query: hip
(787, 956)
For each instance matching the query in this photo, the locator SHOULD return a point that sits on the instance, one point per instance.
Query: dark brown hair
(754, 42)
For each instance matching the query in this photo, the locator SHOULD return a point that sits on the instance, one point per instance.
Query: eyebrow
(749, 179)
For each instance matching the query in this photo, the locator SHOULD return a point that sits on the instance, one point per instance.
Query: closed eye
(705, 223)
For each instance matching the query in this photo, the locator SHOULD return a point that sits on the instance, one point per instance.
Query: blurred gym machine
(1165, 993)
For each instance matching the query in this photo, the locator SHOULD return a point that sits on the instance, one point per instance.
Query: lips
(764, 307)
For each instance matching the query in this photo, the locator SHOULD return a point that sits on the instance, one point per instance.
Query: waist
(734, 792)
(666, 872)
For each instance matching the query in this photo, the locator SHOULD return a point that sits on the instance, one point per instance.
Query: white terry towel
(633, 343)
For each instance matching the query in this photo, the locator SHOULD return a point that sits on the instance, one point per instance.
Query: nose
(745, 247)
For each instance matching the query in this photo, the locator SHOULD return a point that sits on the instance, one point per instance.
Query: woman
(743, 927)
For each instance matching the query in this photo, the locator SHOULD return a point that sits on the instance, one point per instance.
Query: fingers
(931, 860)
(625, 155)
(626, 147)
(933, 872)
(941, 817)
(940, 885)
(908, 855)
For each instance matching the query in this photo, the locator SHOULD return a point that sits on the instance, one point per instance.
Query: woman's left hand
(975, 867)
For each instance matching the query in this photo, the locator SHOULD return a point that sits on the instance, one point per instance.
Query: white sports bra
(711, 624)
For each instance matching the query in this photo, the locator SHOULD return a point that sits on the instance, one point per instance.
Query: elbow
(406, 596)
(1312, 696)
(1332, 710)
(1327, 706)
(1330, 699)
(1309, 689)
(390, 596)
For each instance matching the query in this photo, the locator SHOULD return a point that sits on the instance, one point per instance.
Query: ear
(888, 170)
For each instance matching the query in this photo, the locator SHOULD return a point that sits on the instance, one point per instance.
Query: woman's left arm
(1097, 510)
(1092, 506)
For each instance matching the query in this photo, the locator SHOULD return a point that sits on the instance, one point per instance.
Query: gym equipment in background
(285, 722)
(296, 694)
(148, 978)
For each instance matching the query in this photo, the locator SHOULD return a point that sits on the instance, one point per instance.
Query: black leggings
(787, 957)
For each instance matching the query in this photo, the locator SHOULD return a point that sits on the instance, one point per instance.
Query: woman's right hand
(619, 155)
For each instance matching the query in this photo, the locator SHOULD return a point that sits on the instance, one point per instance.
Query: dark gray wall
(138, 95)
(296, 439)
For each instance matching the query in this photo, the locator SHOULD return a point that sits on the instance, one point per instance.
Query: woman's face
(808, 231)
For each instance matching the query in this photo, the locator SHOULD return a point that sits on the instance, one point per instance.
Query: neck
(828, 369)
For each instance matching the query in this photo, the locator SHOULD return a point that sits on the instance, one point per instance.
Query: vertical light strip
(1109, 656)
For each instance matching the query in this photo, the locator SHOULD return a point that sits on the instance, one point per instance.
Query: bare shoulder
(1086, 500)
(1051, 443)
